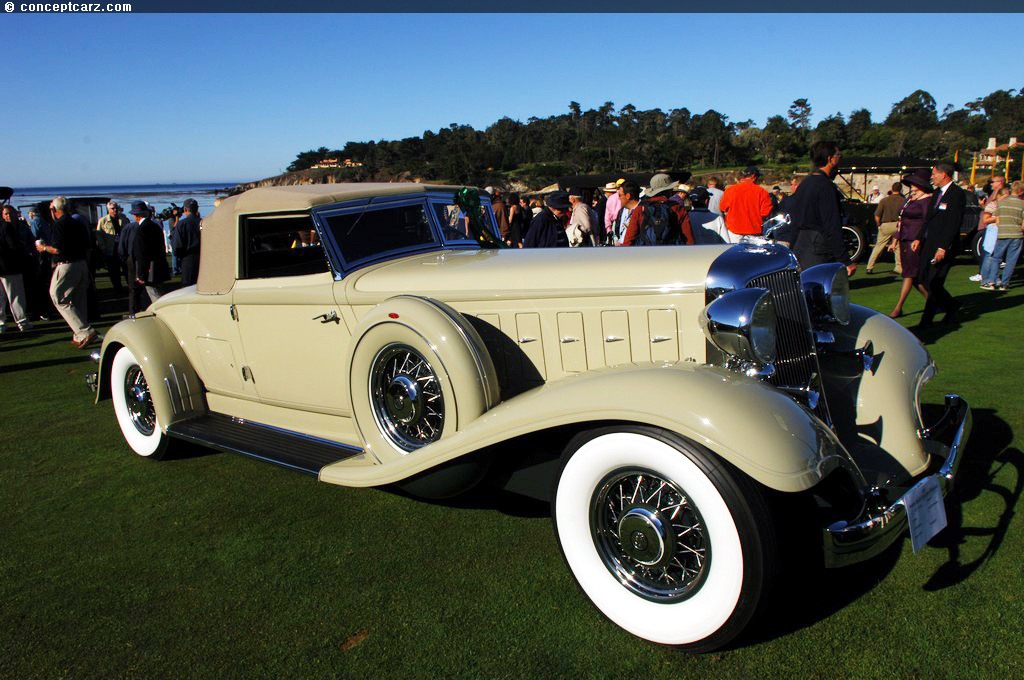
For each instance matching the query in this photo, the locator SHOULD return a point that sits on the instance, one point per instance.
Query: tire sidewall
(725, 601)
(148, 446)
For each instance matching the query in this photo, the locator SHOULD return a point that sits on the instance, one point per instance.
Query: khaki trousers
(886, 235)
(14, 293)
(68, 290)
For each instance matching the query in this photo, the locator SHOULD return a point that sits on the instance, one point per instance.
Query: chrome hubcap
(406, 395)
(138, 401)
(402, 399)
(649, 535)
(644, 536)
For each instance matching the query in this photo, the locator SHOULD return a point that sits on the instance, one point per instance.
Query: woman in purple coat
(911, 221)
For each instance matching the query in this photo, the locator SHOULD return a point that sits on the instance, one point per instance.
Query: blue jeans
(1006, 249)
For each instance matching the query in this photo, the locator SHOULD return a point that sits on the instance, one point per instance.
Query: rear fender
(175, 387)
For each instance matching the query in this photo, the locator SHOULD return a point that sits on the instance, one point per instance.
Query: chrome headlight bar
(742, 325)
(827, 289)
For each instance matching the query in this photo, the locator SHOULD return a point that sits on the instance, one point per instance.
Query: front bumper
(850, 542)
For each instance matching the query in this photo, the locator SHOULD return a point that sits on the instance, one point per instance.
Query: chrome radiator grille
(797, 362)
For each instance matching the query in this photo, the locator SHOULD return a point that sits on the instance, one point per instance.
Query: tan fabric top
(218, 254)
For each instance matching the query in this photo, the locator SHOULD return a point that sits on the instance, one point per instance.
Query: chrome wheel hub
(402, 399)
(138, 401)
(644, 536)
(649, 535)
(406, 397)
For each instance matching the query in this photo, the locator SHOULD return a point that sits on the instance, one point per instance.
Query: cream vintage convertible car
(364, 334)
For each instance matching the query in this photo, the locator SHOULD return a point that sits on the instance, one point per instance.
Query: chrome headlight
(742, 324)
(827, 289)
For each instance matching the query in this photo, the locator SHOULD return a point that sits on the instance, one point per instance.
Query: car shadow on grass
(183, 450)
(802, 567)
(988, 455)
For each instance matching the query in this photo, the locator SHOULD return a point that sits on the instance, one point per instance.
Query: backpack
(657, 228)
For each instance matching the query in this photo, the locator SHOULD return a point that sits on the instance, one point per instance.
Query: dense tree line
(630, 139)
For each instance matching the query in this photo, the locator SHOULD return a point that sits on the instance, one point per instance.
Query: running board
(292, 450)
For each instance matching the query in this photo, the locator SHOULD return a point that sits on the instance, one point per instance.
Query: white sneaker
(976, 277)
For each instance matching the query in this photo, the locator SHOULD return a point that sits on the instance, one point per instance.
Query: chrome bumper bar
(848, 543)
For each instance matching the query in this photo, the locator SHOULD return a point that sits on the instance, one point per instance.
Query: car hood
(456, 275)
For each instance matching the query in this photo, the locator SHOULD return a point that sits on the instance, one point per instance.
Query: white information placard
(925, 511)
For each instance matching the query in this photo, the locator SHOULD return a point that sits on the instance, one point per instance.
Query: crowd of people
(920, 227)
(48, 263)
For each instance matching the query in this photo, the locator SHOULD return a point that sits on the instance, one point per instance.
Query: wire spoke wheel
(650, 535)
(637, 511)
(407, 400)
(134, 407)
(138, 401)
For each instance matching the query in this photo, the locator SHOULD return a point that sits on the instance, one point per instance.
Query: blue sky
(183, 98)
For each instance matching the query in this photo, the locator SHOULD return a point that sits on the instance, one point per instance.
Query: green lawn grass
(214, 564)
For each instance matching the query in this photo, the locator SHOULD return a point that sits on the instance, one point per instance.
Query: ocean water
(159, 195)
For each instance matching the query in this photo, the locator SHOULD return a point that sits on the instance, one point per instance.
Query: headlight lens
(827, 288)
(762, 329)
(742, 324)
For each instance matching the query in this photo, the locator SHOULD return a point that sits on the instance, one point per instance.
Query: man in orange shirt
(746, 204)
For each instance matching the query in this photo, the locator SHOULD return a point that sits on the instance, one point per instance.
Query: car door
(294, 337)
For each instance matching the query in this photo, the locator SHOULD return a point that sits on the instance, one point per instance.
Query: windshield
(454, 222)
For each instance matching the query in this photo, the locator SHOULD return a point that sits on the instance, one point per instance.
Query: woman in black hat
(909, 224)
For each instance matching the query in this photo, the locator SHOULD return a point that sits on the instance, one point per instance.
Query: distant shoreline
(140, 189)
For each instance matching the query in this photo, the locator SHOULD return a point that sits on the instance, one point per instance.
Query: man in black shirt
(70, 283)
(816, 231)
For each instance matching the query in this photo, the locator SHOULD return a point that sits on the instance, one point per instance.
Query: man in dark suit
(938, 242)
(186, 243)
(147, 258)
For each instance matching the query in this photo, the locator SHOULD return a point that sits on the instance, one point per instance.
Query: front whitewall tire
(725, 592)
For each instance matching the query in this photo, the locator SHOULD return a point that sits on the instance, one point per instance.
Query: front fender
(761, 431)
(174, 385)
(876, 409)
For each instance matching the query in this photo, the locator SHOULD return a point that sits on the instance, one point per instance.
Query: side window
(368, 233)
(280, 246)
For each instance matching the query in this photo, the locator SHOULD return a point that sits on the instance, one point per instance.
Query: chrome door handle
(328, 317)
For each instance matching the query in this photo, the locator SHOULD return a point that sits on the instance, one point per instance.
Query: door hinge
(247, 374)
(234, 312)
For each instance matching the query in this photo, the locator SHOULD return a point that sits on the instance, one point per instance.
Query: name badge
(942, 206)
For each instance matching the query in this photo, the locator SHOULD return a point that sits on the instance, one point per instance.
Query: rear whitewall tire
(724, 597)
(133, 406)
